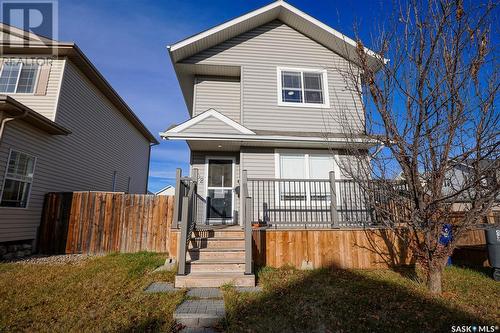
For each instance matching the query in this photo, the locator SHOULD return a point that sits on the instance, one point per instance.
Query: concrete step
(220, 233)
(215, 280)
(215, 266)
(217, 243)
(202, 254)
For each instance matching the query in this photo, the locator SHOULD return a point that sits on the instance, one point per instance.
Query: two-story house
(62, 128)
(269, 105)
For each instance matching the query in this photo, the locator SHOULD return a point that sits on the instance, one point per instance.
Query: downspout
(6, 120)
(149, 165)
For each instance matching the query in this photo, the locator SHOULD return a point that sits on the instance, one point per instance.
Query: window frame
(303, 104)
(306, 153)
(2, 189)
(35, 83)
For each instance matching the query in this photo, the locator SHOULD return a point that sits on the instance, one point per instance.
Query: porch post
(183, 236)
(333, 201)
(177, 198)
(246, 214)
(248, 235)
(194, 182)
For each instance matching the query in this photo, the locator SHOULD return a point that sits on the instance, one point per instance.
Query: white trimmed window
(18, 180)
(305, 166)
(302, 87)
(302, 166)
(17, 77)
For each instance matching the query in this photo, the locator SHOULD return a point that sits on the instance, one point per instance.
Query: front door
(220, 196)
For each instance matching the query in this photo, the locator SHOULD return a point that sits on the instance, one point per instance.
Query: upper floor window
(18, 179)
(18, 77)
(302, 87)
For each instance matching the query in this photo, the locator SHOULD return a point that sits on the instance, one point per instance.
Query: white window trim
(303, 104)
(5, 179)
(229, 158)
(35, 84)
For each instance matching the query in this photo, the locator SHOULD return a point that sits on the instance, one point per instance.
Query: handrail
(187, 222)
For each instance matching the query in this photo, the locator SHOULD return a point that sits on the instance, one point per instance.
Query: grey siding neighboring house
(45, 104)
(102, 141)
(219, 93)
(259, 52)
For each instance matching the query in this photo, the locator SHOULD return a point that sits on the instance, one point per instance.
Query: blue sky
(127, 40)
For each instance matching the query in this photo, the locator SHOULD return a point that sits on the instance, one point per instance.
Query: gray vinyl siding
(102, 141)
(259, 162)
(259, 52)
(219, 93)
(46, 104)
(211, 125)
(198, 159)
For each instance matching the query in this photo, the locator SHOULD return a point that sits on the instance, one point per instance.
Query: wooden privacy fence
(103, 222)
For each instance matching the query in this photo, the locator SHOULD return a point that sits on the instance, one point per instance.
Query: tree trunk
(434, 278)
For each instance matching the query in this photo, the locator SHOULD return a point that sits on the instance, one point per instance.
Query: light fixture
(219, 146)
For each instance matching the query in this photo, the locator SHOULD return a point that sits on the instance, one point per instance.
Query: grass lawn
(105, 294)
(333, 300)
(101, 294)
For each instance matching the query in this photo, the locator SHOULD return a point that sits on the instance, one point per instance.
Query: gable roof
(39, 45)
(235, 127)
(164, 189)
(278, 10)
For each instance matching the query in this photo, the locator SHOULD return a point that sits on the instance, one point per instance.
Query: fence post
(248, 235)
(333, 201)
(183, 238)
(177, 198)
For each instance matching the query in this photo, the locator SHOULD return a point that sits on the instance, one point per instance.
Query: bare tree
(433, 108)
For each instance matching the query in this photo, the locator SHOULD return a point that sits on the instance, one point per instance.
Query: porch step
(218, 243)
(215, 266)
(219, 233)
(203, 254)
(193, 280)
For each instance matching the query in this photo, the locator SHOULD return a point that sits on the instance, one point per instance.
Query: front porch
(211, 253)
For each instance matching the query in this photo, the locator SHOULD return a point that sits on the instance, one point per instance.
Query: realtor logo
(34, 18)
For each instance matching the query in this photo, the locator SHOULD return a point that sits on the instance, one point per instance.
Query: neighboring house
(167, 190)
(63, 128)
(267, 101)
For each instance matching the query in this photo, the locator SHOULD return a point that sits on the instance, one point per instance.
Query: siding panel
(219, 93)
(275, 44)
(211, 125)
(102, 141)
(259, 162)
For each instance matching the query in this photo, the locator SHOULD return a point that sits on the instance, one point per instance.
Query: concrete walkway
(203, 310)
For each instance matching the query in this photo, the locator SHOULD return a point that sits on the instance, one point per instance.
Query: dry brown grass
(336, 300)
(103, 294)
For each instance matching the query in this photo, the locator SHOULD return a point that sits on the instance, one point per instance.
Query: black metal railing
(307, 202)
(290, 202)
